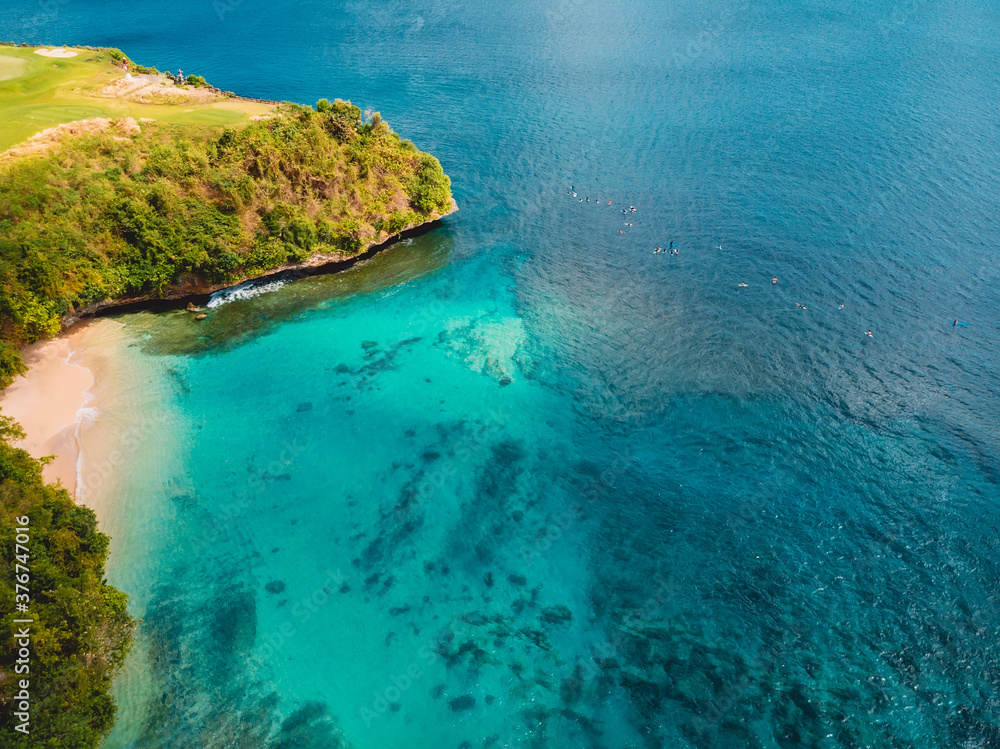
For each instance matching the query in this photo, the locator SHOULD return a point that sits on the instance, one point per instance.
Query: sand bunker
(56, 52)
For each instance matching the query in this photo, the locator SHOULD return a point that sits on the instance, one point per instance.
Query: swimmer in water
(869, 334)
(841, 307)
(743, 285)
(774, 280)
(658, 250)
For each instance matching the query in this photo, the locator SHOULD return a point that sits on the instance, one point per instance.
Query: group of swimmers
(596, 201)
(631, 209)
(673, 249)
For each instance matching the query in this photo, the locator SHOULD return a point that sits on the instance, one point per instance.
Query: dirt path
(145, 88)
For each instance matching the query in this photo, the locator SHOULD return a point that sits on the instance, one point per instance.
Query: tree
(81, 628)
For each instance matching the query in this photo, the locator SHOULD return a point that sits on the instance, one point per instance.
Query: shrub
(11, 364)
(430, 188)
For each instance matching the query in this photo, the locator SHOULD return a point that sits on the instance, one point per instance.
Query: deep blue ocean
(524, 482)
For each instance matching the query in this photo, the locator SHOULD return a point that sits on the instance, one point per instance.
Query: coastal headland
(128, 191)
(147, 188)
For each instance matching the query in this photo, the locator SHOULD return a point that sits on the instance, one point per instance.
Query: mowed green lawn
(38, 92)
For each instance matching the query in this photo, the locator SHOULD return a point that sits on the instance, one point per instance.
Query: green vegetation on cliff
(128, 212)
(81, 627)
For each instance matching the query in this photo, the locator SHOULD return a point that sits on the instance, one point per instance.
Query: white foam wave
(87, 415)
(244, 291)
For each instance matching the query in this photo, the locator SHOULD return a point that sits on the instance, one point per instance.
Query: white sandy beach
(71, 384)
(51, 403)
(56, 52)
(91, 402)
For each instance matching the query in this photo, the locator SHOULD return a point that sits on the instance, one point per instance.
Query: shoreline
(182, 294)
(61, 396)
(66, 403)
(53, 402)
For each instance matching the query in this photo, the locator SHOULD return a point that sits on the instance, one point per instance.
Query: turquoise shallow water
(521, 482)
